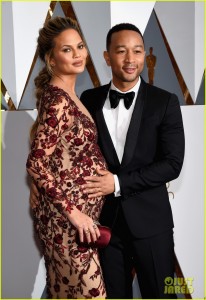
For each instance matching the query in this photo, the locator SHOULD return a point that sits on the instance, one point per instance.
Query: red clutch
(103, 240)
(105, 236)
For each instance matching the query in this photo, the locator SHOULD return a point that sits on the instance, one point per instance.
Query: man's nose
(129, 57)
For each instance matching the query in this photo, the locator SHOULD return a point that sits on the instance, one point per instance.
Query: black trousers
(152, 258)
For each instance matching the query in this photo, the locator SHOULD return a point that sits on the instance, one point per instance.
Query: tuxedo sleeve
(168, 162)
(84, 99)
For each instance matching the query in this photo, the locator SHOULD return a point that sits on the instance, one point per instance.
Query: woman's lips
(78, 63)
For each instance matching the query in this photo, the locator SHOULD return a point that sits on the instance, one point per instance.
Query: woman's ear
(106, 57)
(49, 60)
(52, 62)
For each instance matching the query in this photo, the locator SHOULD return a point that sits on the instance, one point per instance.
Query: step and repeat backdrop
(174, 35)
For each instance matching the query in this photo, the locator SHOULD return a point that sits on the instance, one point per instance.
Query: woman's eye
(81, 46)
(66, 50)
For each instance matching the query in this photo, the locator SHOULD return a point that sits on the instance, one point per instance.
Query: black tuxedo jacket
(153, 155)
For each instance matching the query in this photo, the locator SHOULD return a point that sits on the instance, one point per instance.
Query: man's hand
(97, 186)
(34, 196)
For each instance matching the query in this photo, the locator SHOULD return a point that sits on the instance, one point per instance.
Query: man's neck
(125, 86)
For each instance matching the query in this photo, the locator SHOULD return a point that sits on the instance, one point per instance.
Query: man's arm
(171, 136)
(172, 144)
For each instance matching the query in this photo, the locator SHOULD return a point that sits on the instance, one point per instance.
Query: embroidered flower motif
(44, 219)
(80, 180)
(39, 153)
(51, 111)
(86, 173)
(63, 174)
(82, 249)
(94, 292)
(58, 239)
(51, 192)
(57, 288)
(91, 137)
(65, 280)
(87, 161)
(78, 141)
(53, 138)
(62, 154)
(64, 126)
(58, 152)
(52, 121)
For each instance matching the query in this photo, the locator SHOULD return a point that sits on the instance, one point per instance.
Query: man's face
(126, 57)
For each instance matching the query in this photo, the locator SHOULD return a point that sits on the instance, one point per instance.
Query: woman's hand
(88, 230)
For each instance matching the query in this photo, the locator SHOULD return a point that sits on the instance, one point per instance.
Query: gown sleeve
(54, 121)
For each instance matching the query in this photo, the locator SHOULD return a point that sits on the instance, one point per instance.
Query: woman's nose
(76, 53)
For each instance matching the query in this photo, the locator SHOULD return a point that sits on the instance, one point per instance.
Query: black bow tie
(115, 97)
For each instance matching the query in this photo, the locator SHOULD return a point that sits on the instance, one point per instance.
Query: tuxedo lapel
(105, 140)
(132, 134)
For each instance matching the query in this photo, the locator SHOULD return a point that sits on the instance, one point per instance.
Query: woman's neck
(66, 83)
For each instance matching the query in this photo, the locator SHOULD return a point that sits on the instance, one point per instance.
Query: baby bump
(90, 206)
(87, 166)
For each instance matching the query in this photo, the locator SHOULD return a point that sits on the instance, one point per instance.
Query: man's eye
(140, 51)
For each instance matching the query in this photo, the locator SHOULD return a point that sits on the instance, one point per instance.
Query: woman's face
(69, 53)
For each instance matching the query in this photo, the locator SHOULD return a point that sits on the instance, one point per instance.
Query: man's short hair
(120, 27)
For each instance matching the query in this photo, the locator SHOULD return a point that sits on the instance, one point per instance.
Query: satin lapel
(105, 140)
(132, 134)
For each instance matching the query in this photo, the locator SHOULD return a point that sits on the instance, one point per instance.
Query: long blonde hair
(45, 44)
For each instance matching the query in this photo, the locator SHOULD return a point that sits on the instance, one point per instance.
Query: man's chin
(130, 78)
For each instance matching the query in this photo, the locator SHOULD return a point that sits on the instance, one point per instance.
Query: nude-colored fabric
(63, 152)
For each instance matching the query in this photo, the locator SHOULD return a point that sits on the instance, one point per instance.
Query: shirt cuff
(117, 192)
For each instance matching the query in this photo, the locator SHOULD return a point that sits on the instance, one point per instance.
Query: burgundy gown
(63, 152)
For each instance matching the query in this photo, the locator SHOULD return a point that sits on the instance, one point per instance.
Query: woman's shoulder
(54, 95)
(53, 91)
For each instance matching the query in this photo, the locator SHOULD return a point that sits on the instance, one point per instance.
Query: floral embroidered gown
(63, 152)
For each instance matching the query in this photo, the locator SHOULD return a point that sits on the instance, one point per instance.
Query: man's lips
(129, 70)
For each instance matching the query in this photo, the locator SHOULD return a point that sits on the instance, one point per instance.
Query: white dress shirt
(118, 120)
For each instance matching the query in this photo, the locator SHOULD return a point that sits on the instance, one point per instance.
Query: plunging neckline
(89, 117)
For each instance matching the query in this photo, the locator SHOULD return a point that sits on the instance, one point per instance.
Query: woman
(64, 150)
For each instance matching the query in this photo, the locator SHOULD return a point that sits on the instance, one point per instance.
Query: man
(144, 147)
(142, 140)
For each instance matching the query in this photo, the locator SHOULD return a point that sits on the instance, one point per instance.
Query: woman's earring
(49, 69)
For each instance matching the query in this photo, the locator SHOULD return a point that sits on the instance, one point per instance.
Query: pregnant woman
(63, 151)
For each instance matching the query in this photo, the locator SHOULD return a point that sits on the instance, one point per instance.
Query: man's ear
(106, 57)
